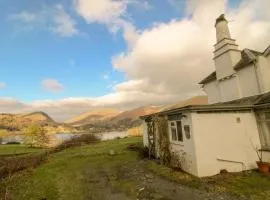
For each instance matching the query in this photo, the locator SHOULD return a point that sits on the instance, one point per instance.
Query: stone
(112, 153)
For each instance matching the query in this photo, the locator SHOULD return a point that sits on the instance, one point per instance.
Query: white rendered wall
(224, 143)
(266, 156)
(263, 66)
(187, 147)
(248, 81)
(212, 91)
(229, 89)
(224, 63)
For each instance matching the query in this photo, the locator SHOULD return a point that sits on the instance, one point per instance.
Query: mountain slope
(197, 100)
(111, 119)
(20, 121)
(134, 114)
(94, 116)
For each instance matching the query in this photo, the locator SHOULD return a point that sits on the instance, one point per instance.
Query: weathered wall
(145, 134)
(229, 89)
(185, 150)
(264, 73)
(213, 92)
(248, 81)
(224, 142)
(224, 63)
(266, 156)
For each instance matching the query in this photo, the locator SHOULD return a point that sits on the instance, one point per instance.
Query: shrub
(77, 141)
(36, 136)
(143, 152)
(13, 164)
(12, 142)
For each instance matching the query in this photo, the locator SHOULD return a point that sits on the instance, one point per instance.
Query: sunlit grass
(14, 149)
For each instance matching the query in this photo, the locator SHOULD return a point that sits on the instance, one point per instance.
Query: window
(176, 131)
(264, 122)
(187, 131)
(173, 129)
(179, 131)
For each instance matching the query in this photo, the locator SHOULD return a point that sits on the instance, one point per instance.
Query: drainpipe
(233, 161)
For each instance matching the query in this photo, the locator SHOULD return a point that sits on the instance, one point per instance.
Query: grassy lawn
(10, 149)
(107, 170)
(250, 185)
(74, 173)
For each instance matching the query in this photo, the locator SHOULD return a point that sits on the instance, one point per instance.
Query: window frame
(176, 133)
(264, 129)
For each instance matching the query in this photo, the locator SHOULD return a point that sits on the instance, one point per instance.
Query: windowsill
(177, 143)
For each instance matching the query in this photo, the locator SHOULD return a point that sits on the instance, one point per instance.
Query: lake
(61, 137)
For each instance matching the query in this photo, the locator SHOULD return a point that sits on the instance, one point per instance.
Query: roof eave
(203, 108)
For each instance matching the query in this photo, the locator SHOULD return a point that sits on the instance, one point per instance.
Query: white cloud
(52, 85)
(3, 85)
(112, 13)
(102, 11)
(65, 26)
(24, 16)
(171, 58)
(54, 19)
(165, 62)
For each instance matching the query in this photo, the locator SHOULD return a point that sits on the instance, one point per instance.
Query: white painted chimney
(226, 53)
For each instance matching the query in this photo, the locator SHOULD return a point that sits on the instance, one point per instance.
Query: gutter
(203, 108)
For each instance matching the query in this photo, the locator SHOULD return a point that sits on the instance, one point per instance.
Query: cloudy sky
(65, 57)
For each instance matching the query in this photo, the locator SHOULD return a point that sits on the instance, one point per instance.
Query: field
(108, 170)
(11, 149)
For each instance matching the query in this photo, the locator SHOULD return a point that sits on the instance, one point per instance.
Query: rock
(149, 176)
(112, 153)
(141, 189)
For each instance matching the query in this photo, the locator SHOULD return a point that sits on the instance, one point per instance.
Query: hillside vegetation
(111, 119)
(18, 122)
(94, 116)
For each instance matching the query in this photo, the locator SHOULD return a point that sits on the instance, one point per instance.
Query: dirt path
(148, 186)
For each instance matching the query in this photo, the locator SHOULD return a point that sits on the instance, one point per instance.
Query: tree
(36, 136)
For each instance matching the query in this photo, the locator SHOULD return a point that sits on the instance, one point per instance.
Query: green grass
(89, 172)
(75, 173)
(251, 184)
(10, 149)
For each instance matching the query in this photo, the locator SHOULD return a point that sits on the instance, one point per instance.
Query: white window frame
(264, 129)
(176, 128)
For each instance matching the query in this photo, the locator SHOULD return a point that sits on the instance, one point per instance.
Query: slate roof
(209, 78)
(247, 56)
(246, 104)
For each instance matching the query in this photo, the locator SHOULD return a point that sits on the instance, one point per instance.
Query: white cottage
(224, 134)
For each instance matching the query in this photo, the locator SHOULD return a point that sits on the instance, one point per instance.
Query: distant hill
(111, 119)
(17, 122)
(134, 114)
(197, 100)
(94, 116)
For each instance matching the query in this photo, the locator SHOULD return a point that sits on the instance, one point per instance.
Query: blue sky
(78, 62)
(65, 57)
